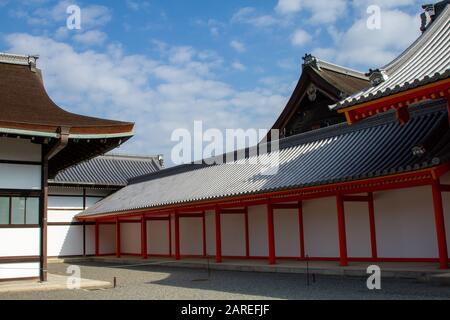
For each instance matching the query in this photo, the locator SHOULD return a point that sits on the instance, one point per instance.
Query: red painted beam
(170, 236)
(247, 237)
(440, 225)
(373, 233)
(445, 187)
(301, 230)
(204, 233)
(342, 232)
(97, 238)
(177, 236)
(144, 237)
(117, 238)
(218, 236)
(271, 234)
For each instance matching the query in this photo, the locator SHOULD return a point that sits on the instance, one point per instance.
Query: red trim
(218, 236)
(143, 237)
(445, 187)
(271, 234)
(342, 233)
(204, 232)
(117, 238)
(157, 218)
(301, 232)
(177, 236)
(373, 233)
(355, 198)
(247, 236)
(97, 238)
(440, 225)
(285, 205)
(232, 211)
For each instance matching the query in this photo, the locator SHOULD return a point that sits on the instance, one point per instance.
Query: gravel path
(157, 282)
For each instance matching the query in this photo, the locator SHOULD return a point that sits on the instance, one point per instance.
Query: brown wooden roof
(25, 104)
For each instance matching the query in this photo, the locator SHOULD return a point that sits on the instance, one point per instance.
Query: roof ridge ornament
(377, 76)
(310, 60)
(432, 11)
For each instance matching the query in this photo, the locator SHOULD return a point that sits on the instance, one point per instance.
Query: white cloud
(300, 38)
(159, 94)
(362, 46)
(288, 6)
(321, 11)
(238, 46)
(238, 66)
(90, 38)
(249, 15)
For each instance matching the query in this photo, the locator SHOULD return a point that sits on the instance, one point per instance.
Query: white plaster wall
(19, 150)
(445, 179)
(191, 238)
(287, 238)
(19, 270)
(130, 238)
(16, 242)
(320, 227)
(257, 228)
(65, 202)
(107, 238)
(357, 226)
(90, 240)
(20, 176)
(210, 222)
(61, 215)
(158, 237)
(233, 234)
(405, 223)
(64, 241)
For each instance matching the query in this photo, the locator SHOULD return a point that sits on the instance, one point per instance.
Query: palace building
(366, 179)
(38, 139)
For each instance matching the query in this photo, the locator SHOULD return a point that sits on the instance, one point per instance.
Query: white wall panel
(130, 238)
(90, 240)
(287, 239)
(320, 227)
(158, 237)
(64, 241)
(107, 239)
(210, 222)
(16, 242)
(191, 239)
(19, 150)
(61, 215)
(405, 223)
(65, 202)
(19, 270)
(20, 176)
(357, 226)
(446, 204)
(257, 226)
(233, 234)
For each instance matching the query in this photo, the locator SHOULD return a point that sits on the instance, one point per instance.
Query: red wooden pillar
(117, 237)
(97, 238)
(143, 237)
(271, 234)
(373, 233)
(218, 236)
(342, 233)
(204, 232)
(301, 231)
(177, 236)
(247, 237)
(440, 224)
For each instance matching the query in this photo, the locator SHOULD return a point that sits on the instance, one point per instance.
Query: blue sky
(164, 64)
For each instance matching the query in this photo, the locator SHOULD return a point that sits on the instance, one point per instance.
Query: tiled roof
(374, 147)
(108, 170)
(426, 61)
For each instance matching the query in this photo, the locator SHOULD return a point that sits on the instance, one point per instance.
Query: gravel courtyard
(157, 282)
